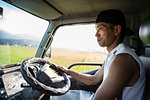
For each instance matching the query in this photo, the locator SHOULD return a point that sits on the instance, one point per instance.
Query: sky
(68, 37)
(77, 37)
(13, 18)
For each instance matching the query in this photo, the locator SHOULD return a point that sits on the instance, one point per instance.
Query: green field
(16, 54)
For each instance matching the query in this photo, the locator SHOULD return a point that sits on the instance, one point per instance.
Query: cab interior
(65, 12)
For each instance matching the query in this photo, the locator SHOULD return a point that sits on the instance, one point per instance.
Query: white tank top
(136, 91)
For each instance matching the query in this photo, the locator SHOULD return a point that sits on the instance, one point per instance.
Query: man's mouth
(99, 40)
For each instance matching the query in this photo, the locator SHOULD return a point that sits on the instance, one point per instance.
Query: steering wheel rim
(37, 84)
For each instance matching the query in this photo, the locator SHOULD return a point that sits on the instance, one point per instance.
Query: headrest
(144, 33)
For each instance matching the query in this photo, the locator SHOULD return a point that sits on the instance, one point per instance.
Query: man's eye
(99, 28)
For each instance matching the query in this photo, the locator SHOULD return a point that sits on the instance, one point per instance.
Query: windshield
(20, 34)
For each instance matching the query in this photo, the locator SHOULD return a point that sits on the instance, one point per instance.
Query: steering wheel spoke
(57, 79)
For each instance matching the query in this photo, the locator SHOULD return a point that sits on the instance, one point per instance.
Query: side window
(77, 43)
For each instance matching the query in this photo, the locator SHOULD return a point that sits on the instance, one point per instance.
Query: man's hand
(67, 71)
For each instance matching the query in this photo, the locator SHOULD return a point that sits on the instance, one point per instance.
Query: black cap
(115, 17)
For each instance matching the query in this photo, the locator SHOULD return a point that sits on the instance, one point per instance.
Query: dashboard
(10, 82)
(14, 87)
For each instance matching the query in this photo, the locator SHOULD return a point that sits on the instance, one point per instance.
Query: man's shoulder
(124, 61)
(122, 48)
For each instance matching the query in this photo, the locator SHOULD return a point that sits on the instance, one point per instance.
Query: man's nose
(97, 35)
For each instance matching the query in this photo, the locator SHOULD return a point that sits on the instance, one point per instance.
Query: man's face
(105, 34)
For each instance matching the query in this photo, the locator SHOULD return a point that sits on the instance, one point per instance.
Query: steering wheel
(44, 76)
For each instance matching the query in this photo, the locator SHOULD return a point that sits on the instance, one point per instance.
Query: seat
(144, 33)
(146, 62)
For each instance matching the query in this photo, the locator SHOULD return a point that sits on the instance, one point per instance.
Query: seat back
(146, 62)
(145, 37)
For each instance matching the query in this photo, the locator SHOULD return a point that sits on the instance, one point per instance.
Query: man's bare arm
(85, 78)
(120, 74)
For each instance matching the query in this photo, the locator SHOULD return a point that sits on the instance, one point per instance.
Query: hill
(17, 39)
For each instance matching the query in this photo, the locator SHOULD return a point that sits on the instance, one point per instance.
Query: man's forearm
(84, 78)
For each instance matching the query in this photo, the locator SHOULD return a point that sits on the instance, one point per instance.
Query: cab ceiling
(70, 9)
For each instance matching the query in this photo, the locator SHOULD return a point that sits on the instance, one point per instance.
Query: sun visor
(37, 7)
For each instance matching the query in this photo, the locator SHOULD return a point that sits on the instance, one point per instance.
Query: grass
(4, 54)
(16, 54)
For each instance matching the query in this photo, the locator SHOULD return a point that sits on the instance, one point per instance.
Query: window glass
(20, 34)
(77, 43)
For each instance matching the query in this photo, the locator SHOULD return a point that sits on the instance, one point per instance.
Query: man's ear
(117, 29)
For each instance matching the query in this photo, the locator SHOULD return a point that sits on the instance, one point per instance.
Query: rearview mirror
(1, 12)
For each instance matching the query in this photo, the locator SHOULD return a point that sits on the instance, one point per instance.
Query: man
(123, 73)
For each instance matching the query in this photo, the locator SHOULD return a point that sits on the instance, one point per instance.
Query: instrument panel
(10, 82)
